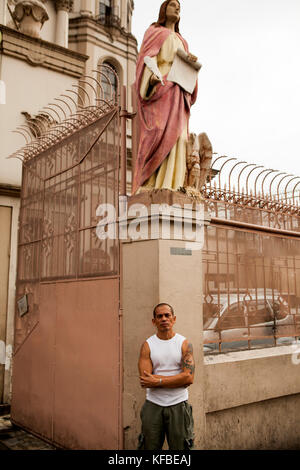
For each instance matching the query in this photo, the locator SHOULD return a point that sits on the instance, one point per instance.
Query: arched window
(109, 82)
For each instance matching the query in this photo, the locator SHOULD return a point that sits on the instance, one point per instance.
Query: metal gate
(67, 357)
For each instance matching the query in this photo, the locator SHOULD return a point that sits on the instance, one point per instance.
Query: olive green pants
(173, 422)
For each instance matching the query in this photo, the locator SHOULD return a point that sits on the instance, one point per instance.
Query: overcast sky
(249, 84)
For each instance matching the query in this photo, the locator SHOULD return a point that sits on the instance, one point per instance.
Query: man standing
(166, 367)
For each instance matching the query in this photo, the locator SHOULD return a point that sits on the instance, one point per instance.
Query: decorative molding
(92, 23)
(9, 190)
(65, 5)
(37, 52)
(36, 57)
(30, 15)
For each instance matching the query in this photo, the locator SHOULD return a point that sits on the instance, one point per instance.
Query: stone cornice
(93, 23)
(83, 33)
(41, 53)
(118, 50)
(9, 190)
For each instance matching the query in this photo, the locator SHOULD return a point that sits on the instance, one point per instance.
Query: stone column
(3, 13)
(158, 270)
(62, 22)
(88, 8)
(123, 13)
(117, 8)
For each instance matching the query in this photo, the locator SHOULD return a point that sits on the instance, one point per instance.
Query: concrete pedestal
(154, 271)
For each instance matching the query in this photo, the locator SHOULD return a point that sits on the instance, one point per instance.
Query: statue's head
(170, 9)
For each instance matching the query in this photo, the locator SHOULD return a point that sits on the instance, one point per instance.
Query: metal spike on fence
(84, 91)
(78, 97)
(88, 83)
(63, 101)
(45, 113)
(36, 129)
(54, 111)
(26, 129)
(21, 133)
(59, 107)
(42, 121)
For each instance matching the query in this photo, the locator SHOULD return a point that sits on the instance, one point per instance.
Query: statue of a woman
(164, 110)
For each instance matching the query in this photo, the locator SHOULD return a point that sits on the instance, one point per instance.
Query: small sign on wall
(180, 252)
(23, 305)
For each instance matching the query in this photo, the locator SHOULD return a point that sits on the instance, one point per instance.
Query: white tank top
(166, 357)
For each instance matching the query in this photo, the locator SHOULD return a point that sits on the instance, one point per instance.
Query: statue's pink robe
(163, 116)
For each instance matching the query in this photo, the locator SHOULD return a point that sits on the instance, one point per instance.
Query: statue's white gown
(171, 173)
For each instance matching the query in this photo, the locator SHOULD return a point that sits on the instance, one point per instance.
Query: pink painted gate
(67, 357)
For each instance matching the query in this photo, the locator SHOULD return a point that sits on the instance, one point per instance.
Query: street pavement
(14, 438)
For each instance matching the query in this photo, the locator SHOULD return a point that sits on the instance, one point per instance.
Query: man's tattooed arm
(188, 363)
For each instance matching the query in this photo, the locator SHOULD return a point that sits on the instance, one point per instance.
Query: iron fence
(71, 168)
(251, 263)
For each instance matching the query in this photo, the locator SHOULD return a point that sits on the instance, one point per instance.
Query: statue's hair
(160, 305)
(162, 17)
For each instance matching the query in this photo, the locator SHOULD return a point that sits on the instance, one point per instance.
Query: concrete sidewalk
(14, 438)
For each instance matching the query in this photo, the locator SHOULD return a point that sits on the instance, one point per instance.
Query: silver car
(237, 320)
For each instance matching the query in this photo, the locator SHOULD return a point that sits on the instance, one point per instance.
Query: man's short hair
(160, 305)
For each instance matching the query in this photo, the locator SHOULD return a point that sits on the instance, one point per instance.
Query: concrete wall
(48, 29)
(35, 88)
(266, 425)
(252, 399)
